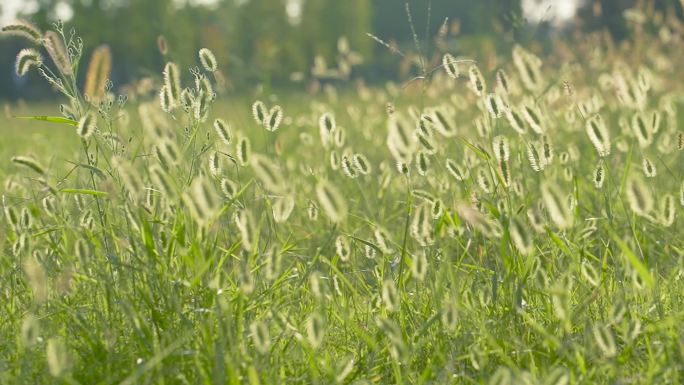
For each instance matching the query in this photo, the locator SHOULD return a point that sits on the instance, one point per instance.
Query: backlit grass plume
(58, 53)
(25, 30)
(487, 226)
(528, 66)
(87, 125)
(450, 65)
(639, 196)
(99, 70)
(438, 232)
(208, 60)
(268, 173)
(259, 112)
(556, 205)
(599, 175)
(172, 83)
(332, 202)
(26, 59)
(477, 81)
(30, 163)
(223, 131)
(275, 116)
(598, 134)
(648, 168)
(667, 210)
(201, 200)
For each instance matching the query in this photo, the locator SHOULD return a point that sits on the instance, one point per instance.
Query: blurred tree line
(270, 40)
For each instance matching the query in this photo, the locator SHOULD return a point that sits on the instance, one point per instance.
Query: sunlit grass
(480, 227)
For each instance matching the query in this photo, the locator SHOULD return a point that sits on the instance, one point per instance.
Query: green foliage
(416, 233)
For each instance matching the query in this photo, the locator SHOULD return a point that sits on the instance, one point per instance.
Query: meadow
(514, 221)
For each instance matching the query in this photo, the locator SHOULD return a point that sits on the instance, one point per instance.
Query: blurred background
(287, 43)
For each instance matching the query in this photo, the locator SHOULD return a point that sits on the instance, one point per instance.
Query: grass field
(510, 223)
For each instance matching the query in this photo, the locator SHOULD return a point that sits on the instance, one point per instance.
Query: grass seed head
(648, 168)
(274, 118)
(55, 47)
(30, 163)
(598, 134)
(172, 83)
(283, 208)
(556, 205)
(502, 82)
(599, 175)
(477, 82)
(99, 70)
(639, 196)
(268, 173)
(332, 202)
(223, 131)
(244, 150)
(667, 210)
(26, 59)
(87, 125)
(259, 112)
(450, 65)
(315, 330)
(24, 29)
(208, 60)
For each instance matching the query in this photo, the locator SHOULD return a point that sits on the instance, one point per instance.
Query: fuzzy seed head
(260, 336)
(282, 208)
(477, 82)
(268, 173)
(639, 196)
(223, 131)
(343, 248)
(641, 130)
(556, 205)
(259, 112)
(516, 120)
(501, 147)
(494, 105)
(533, 118)
(315, 330)
(390, 296)
(483, 181)
(456, 170)
(522, 239)
(450, 66)
(419, 267)
(24, 29)
(599, 175)
(229, 188)
(172, 82)
(275, 116)
(422, 163)
(244, 220)
(502, 82)
(215, 163)
(208, 60)
(29, 162)
(26, 59)
(528, 66)
(361, 164)
(55, 47)
(165, 100)
(649, 168)
(87, 125)
(667, 210)
(348, 167)
(598, 134)
(244, 150)
(332, 202)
